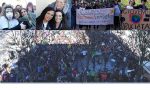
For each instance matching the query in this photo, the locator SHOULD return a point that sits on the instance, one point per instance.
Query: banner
(135, 19)
(95, 16)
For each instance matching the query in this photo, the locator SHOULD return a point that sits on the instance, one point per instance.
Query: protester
(5, 73)
(30, 8)
(17, 14)
(88, 7)
(96, 6)
(45, 20)
(8, 16)
(117, 14)
(82, 7)
(59, 23)
(18, 7)
(142, 5)
(65, 7)
(108, 5)
(107, 59)
(131, 4)
(23, 12)
(3, 5)
(29, 18)
(75, 6)
(13, 76)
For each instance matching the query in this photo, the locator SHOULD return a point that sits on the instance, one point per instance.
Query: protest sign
(135, 19)
(95, 16)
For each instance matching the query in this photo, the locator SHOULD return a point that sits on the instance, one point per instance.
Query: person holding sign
(96, 6)
(117, 14)
(75, 6)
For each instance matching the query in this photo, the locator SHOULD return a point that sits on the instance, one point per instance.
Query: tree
(142, 40)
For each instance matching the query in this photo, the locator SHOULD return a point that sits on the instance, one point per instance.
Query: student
(18, 7)
(96, 6)
(8, 21)
(82, 7)
(30, 8)
(28, 18)
(117, 9)
(73, 14)
(131, 4)
(3, 5)
(64, 6)
(88, 7)
(59, 23)
(44, 21)
(17, 14)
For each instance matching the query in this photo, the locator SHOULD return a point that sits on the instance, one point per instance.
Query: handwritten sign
(135, 19)
(95, 16)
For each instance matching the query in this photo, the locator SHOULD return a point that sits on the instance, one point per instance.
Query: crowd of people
(116, 4)
(60, 15)
(104, 59)
(17, 18)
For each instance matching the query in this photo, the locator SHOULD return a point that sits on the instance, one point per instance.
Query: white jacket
(4, 23)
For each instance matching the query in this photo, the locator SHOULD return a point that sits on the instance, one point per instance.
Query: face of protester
(83, 5)
(143, 3)
(30, 8)
(58, 17)
(48, 16)
(76, 3)
(18, 7)
(116, 1)
(23, 12)
(96, 2)
(131, 2)
(9, 13)
(60, 4)
(17, 15)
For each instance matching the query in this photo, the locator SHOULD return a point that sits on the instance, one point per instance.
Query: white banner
(95, 16)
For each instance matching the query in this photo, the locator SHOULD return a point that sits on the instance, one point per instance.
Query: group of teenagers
(118, 6)
(17, 18)
(51, 19)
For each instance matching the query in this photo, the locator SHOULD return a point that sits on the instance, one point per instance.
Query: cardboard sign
(135, 19)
